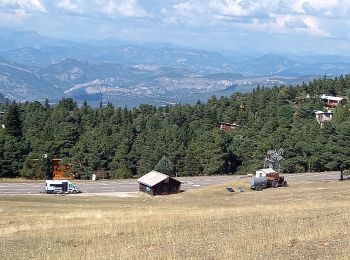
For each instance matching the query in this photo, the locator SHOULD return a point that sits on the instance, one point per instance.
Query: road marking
(131, 185)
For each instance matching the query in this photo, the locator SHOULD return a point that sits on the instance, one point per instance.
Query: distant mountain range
(34, 67)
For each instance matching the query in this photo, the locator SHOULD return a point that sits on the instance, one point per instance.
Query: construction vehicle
(265, 178)
(61, 187)
(268, 177)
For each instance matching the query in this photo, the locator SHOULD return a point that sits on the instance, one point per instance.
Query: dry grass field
(307, 220)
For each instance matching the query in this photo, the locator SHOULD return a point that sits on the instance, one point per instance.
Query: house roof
(267, 170)
(231, 124)
(331, 98)
(152, 178)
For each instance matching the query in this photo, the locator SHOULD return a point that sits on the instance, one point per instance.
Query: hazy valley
(34, 67)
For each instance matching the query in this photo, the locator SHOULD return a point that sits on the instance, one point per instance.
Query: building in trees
(228, 126)
(323, 117)
(332, 102)
(156, 183)
(50, 169)
(63, 171)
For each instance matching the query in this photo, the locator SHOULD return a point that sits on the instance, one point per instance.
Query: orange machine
(61, 172)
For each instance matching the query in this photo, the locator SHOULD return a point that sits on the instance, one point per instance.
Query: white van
(61, 186)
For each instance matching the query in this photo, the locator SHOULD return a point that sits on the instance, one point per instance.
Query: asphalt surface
(131, 185)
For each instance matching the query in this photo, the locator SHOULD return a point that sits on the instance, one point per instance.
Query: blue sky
(280, 26)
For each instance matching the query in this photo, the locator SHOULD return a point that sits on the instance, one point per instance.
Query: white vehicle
(61, 186)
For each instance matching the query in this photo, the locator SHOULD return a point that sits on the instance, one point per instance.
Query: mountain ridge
(54, 68)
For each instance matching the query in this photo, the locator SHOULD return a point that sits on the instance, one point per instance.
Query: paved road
(130, 185)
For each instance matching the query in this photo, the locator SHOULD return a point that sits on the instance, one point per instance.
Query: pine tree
(165, 166)
(13, 121)
(46, 166)
(47, 104)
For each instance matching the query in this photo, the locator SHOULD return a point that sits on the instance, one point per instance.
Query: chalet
(228, 126)
(156, 183)
(332, 102)
(323, 117)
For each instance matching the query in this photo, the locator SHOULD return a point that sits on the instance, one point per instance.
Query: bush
(165, 166)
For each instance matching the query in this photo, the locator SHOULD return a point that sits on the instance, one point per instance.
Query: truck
(265, 178)
(61, 187)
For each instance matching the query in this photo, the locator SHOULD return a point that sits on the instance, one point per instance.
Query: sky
(278, 26)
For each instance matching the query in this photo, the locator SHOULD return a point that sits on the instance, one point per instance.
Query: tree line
(182, 139)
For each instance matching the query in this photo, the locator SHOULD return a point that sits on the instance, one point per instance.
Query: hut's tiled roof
(152, 178)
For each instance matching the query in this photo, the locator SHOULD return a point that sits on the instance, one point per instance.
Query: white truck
(61, 186)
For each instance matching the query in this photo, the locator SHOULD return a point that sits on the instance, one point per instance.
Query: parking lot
(131, 185)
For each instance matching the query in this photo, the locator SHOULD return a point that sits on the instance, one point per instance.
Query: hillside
(116, 83)
(125, 143)
(17, 81)
(129, 74)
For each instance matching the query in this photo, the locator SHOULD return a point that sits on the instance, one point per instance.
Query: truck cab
(61, 186)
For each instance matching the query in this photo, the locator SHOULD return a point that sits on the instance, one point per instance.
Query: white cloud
(129, 8)
(15, 12)
(274, 16)
(234, 8)
(292, 19)
(8, 3)
(70, 5)
(285, 25)
(186, 7)
(313, 26)
(323, 6)
(30, 5)
(218, 7)
(35, 5)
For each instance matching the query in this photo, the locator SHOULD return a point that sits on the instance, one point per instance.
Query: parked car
(61, 186)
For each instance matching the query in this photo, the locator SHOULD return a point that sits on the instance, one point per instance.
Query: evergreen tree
(46, 166)
(165, 166)
(47, 104)
(13, 121)
(119, 142)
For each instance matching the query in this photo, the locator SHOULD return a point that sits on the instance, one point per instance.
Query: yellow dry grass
(303, 221)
